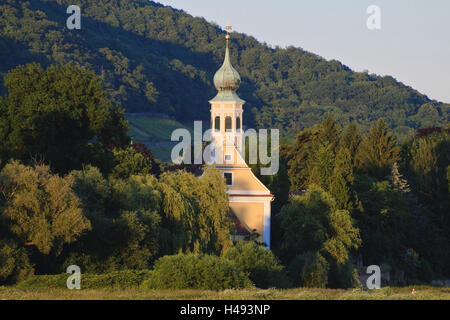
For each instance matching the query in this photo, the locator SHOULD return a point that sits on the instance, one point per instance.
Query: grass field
(387, 293)
(155, 132)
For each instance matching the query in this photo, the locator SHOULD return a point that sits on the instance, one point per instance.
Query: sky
(413, 44)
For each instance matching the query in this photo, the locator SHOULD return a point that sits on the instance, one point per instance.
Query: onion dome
(227, 80)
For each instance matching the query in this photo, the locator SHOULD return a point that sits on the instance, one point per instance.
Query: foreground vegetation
(387, 293)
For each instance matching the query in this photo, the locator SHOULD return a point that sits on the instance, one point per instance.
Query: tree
(40, 208)
(310, 270)
(313, 156)
(378, 151)
(14, 263)
(130, 162)
(398, 181)
(60, 114)
(299, 160)
(341, 183)
(351, 139)
(313, 223)
(156, 165)
(195, 211)
(125, 217)
(448, 177)
(387, 224)
(428, 159)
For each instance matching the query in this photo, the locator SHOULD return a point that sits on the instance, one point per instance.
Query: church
(249, 199)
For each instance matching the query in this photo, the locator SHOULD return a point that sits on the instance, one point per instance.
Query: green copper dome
(227, 80)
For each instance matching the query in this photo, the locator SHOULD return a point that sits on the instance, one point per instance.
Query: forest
(154, 58)
(74, 190)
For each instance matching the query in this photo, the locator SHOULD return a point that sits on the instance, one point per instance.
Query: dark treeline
(73, 190)
(362, 197)
(155, 59)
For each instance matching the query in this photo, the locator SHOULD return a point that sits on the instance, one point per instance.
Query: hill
(158, 59)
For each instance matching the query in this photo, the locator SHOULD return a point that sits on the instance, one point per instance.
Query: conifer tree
(351, 139)
(397, 180)
(342, 180)
(378, 151)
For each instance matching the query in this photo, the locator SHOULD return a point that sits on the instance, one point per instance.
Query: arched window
(217, 124)
(228, 124)
(238, 123)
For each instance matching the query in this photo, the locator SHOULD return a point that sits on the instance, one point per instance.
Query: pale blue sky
(413, 44)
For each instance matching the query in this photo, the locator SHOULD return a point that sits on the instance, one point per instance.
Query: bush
(344, 276)
(118, 279)
(262, 265)
(192, 271)
(309, 270)
(14, 263)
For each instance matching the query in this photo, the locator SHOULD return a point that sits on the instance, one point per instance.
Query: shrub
(192, 271)
(262, 265)
(119, 279)
(343, 276)
(310, 270)
(14, 263)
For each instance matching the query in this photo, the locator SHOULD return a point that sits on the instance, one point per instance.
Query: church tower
(249, 198)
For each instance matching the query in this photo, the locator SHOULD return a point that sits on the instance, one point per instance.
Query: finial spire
(228, 27)
(227, 79)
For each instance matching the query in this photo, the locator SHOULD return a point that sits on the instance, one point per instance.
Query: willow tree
(195, 211)
(40, 208)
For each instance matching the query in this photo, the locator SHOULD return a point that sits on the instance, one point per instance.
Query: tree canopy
(60, 115)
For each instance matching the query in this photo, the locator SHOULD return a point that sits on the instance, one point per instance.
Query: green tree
(125, 221)
(313, 156)
(60, 114)
(40, 208)
(130, 162)
(195, 211)
(342, 180)
(351, 139)
(310, 270)
(429, 157)
(313, 223)
(378, 151)
(14, 263)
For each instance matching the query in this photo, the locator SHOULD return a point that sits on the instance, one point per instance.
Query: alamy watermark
(74, 21)
(374, 281)
(74, 280)
(374, 20)
(213, 153)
